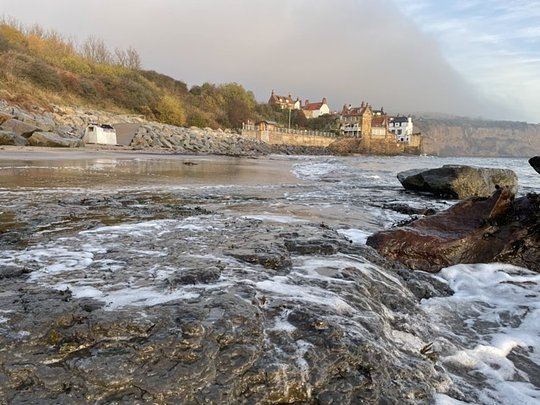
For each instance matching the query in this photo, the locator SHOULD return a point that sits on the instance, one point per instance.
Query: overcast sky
(464, 57)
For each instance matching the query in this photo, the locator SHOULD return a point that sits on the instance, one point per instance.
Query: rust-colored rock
(498, 228)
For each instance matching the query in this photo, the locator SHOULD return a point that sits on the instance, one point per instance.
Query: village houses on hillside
(310, 110)
(374, 128)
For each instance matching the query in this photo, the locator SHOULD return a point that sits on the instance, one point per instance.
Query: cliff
(470, 137)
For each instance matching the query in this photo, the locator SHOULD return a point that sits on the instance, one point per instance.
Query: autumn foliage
(39, 67)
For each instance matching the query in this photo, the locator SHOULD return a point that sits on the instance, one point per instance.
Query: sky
(458, 57)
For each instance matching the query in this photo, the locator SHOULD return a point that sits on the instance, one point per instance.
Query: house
(285, 103)
(100, 134)
(356, 121)
(379, 126)
(266, 125)
(401, 127)
(314, 110)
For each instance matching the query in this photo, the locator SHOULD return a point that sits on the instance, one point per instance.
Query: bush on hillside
(12, 36)
(76, 64)
(165, 82)
(197, 119)
(35, 70)
(170, 111)
(50, 46)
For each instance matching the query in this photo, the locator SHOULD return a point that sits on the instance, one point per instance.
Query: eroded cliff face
(467, 137)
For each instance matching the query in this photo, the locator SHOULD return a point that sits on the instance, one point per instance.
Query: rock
(19, 127)
(269, 258)
(535, 163)
(11, 138)
(51, 139)
(195, 276)
(311, 247)
(341, 330)
(456, 181)
(496, 229)
(4, 117)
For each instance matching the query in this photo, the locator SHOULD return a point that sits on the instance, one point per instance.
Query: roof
(276, 99)
(379, 121)
(399, 119)
(354, 111)
(313, 106)
(267, 122)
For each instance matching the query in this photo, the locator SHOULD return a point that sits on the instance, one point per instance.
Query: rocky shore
(491, 225)
(64, 127)
(176, 304)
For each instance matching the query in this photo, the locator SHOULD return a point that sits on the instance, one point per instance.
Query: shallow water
(486, 335)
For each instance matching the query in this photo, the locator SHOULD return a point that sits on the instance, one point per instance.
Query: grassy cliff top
(42, 68)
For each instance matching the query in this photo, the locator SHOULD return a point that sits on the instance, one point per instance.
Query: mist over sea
(486, 335)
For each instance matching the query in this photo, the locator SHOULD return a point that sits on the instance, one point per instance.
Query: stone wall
(372, 146)
(291, 139)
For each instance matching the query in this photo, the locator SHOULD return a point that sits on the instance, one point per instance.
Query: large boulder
(11, 138)
(458, 181)
(19, 127)
(535, 163)
(496, 229)
(53, 140)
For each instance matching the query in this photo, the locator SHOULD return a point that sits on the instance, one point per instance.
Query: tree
(128, 58)
(95, 50)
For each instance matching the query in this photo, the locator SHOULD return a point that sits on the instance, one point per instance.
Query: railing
(292, 131)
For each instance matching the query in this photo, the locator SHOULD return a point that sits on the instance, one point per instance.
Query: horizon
(291, 48)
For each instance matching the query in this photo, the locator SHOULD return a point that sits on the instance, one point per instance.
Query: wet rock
(269, 258)
(535, 163)
(323, 331)
(408, 210)
(473, 231)
(11, 138)
(51, 139)
(195, 276)
(456, 181)
(424, 286)
(13, 271)
(311, 247)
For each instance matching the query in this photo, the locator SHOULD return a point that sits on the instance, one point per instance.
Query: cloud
(345, 50)
(495, 45)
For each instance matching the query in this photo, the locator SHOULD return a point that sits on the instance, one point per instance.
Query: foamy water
(486, 335)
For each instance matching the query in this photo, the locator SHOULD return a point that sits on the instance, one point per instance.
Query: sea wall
(386, 146)
(291, 139)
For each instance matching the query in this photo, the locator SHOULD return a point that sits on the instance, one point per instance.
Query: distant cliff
(471, 137)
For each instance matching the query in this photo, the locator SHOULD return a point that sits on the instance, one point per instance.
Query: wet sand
(120, 167)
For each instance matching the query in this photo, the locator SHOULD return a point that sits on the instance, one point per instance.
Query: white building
(100, 134)
(401, 127)
(314, 110)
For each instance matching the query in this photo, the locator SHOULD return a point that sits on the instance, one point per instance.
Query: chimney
(324, 100)
(363, 104)
(307, 102)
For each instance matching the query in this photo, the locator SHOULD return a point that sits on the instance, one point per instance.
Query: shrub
(35, 70)
(170, 111)
(197, 119)
(13, 36)
(76, 64)
(88, 90)
(71, 82)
